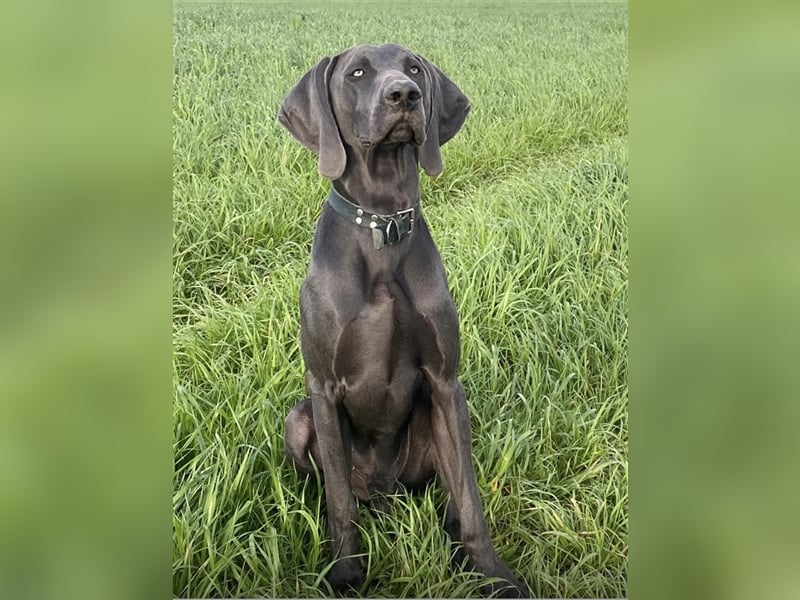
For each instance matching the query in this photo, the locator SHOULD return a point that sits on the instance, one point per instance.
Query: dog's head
(372, 95)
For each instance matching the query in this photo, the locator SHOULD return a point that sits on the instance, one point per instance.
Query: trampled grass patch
(530, 219)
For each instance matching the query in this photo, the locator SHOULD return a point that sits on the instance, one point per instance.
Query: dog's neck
(383, 179)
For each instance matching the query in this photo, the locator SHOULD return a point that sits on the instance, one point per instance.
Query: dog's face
(380, 95)
(373, 95)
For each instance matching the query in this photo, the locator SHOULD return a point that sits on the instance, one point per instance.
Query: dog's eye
(357, 73)
(414, 70)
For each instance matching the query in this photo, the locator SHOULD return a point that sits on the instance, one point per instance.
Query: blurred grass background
(85, 345)
(714, 296)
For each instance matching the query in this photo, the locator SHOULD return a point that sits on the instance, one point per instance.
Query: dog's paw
(510, 588)
(346, 576)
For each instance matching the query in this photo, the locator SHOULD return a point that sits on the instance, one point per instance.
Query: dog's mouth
(402, 132)
(392, 128)
(408, 129)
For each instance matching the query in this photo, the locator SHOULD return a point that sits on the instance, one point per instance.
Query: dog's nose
(402, 93)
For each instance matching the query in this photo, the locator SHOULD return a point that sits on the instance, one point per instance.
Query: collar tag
(377, 238)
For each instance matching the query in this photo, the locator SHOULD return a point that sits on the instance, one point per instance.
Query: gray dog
(379, 330)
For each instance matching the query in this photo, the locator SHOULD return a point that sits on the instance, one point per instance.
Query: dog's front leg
(333, 435)
(452, 438)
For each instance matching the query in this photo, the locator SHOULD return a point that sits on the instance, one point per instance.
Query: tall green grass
(530, 219)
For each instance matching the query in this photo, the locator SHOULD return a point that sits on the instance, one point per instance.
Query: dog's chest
(377, 359)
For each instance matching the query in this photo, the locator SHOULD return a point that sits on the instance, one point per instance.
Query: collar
(386, 229)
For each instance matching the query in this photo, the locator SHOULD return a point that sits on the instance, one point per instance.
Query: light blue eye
(357, 73)
(414, 70)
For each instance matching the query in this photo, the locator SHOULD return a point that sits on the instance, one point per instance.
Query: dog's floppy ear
(447, 110)
(306, 112)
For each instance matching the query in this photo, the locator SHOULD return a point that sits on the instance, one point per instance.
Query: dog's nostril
(396, 96)
(414, 96)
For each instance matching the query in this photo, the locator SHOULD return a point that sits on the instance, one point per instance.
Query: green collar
(386, 229)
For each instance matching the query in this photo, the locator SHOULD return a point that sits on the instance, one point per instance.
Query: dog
(379, 330)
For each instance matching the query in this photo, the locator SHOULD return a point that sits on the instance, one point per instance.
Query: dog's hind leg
(300, 438)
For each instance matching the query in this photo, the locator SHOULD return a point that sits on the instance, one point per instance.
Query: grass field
(530, 219)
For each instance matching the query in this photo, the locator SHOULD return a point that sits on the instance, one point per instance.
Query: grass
(530, 219)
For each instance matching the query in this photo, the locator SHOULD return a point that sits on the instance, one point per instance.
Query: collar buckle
(410, 212)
